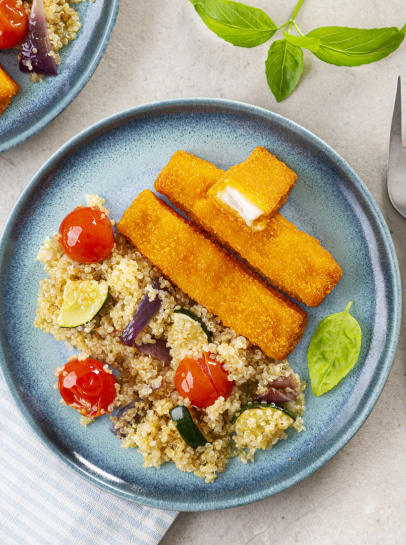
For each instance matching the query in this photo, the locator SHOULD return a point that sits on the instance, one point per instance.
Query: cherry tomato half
(202, 380)
(87, 387)
(13, 24)
(86, 235)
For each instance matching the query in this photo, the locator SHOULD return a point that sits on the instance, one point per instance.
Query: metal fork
(396, 173)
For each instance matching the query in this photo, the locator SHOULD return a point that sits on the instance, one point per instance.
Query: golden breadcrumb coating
(8, 89)
(187, 178)
(213, 277)
(262, 179)
(292, 260)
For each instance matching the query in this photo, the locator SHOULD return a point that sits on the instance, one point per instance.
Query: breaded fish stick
(213, 277)
(254, 190)
(292, 260)
(8, 89)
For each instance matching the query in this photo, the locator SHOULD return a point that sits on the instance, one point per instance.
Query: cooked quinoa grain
(146, 385)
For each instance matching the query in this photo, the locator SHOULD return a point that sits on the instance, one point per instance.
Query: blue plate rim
(75, 90)
(120, 118)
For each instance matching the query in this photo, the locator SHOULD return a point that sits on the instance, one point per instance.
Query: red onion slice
(129, 406)
(36, 50)
(280, 390)
(159, 350)
(143, 315)
(136, 419)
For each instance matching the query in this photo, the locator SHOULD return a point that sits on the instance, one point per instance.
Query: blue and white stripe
(44, 501)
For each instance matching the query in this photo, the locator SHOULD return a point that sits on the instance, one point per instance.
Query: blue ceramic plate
(117, 158)
(37, 104)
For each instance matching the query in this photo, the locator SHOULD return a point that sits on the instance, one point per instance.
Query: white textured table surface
(160, 50)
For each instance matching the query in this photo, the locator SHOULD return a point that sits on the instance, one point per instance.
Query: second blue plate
(37, 104)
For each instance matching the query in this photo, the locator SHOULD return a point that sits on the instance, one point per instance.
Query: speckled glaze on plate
(117, 158)
(37, 104)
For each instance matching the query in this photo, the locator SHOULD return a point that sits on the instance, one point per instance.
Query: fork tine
(396, 127)
(396, 169)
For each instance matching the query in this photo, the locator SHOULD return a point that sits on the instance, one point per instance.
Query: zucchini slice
(186, 426)
(255, 406)
(82, 300)
(188, 315)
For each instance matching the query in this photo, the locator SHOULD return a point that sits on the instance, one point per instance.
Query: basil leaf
(344, 46)
(333, 350)
(303, 41)
(283, 68)
(236, 23)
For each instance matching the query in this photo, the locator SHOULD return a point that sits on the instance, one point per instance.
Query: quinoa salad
(146, 393)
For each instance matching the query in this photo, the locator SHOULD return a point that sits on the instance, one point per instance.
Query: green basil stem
(296, 10)
(292, 20)
(284, 24)
(298, 29)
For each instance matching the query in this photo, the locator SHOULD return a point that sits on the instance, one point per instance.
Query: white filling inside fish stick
(240, 203)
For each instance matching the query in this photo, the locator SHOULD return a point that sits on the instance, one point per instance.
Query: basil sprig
(333, 350)
(246, 26)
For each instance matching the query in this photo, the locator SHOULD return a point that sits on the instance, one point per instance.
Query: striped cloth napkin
(44, 502)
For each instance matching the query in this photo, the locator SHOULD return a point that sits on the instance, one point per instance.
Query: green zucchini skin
(189, 313)
(186, 426)
(262, 406)
(70, 318)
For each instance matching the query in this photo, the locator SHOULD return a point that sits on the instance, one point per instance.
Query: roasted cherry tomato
(202, 380)
(86, 235)
(87, 387)
(13, 23)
